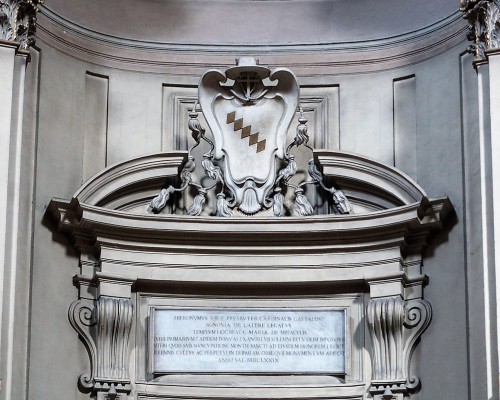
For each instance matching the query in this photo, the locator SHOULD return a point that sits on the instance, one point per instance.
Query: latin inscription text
(249, 341)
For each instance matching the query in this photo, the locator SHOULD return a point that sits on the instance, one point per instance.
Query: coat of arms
(249, 109)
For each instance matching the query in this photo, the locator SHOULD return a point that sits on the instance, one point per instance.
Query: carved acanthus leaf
(18, 21)
(484, 25)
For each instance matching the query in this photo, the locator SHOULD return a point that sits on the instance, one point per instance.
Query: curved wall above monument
(271, 22)
(184, 37)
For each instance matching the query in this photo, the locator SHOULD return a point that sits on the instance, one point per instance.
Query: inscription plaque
(248, 341)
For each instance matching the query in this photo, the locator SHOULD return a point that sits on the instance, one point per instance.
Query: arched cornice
(306, 59)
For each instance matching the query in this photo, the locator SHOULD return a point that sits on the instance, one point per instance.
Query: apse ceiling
(243, 22)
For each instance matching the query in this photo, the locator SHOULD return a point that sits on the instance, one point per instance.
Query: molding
(104, 188)
(405, 223)
(354, 249)
(320, 105)
(122, 253)
(353, 171)
(306, 59)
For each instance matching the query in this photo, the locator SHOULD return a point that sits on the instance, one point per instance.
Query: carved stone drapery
(484, 25)
(385, 319)
(105, 329)
(395, 325)
(18, 21)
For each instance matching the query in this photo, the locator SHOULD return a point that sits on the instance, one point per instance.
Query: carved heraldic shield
(249, 109)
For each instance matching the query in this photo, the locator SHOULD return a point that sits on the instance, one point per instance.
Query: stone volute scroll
(104, 326)
(250, 243)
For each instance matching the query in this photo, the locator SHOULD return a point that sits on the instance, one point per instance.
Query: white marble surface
(243, 340)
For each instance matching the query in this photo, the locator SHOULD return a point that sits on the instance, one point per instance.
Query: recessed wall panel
(95, 124)
(320, 106)
(134, 127)
(366, 111)
(405, 125)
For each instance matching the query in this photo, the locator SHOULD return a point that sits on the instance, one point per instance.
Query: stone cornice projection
(484, 25)
(18, 21)
(306, 59)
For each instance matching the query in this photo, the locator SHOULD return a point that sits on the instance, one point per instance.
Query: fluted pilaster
(114, 319)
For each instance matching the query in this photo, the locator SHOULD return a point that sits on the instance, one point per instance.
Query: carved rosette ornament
(394, 326)
(104, 328)
(484, 25)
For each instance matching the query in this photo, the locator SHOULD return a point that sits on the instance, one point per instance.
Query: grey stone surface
(327, 21)
(348, 110)
(95, 124)
(452, 360)
(405, 125)
(136, 250)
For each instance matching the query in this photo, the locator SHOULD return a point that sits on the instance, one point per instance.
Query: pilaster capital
(18, 21)
(484, 25)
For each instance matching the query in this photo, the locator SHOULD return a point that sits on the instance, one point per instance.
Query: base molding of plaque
(297, 391)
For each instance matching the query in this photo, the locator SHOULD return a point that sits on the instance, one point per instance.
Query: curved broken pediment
(368, 184)
(131, 182)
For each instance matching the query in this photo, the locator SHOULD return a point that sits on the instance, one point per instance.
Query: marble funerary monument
(249, 200)
(275, 298)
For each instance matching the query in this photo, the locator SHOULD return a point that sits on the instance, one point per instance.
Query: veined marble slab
(248, 341)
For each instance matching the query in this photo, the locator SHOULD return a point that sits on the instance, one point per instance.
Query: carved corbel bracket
(82, 317)
(104, 327)
(395, 326)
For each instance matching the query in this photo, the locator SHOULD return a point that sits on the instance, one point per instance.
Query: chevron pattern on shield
(246, 131)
